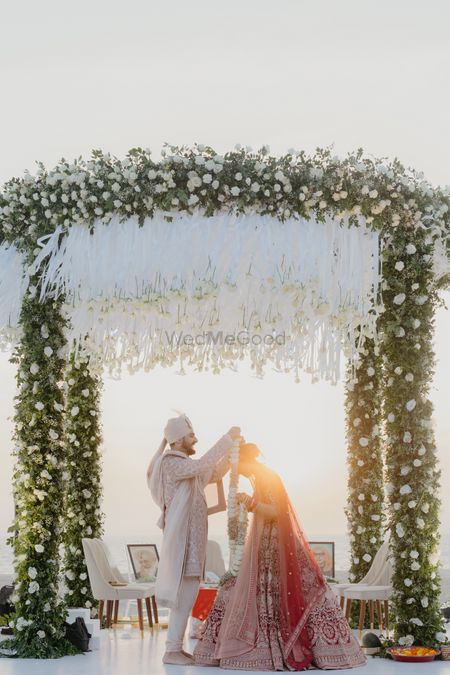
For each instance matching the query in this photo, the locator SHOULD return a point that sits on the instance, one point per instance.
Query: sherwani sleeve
(203, 467)
(220, 470)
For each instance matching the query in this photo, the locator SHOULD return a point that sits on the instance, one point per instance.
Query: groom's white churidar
(177, 484)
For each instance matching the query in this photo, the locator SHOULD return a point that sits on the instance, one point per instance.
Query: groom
(177, 485)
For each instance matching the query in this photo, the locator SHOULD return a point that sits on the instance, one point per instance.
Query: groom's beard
(189, 450)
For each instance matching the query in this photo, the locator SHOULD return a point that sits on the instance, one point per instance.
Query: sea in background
(118, 549)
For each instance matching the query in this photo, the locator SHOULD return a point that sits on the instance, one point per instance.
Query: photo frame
(215, 497)
(144, 561)
(324, 553)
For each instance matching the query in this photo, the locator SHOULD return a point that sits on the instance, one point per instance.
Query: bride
(278, 613)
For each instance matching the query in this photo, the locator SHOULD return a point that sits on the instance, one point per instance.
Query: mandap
(300, 262)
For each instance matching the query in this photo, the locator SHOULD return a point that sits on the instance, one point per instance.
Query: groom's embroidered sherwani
(177, 483)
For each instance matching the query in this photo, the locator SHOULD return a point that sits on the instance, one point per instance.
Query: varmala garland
(237, 519)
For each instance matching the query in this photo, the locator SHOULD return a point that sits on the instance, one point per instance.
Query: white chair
(375, 587)
(102, 580)
(113, 571)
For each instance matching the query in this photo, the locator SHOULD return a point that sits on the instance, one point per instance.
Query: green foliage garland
(38, 481)
(365, 513)
(412, 470)
(82, 512)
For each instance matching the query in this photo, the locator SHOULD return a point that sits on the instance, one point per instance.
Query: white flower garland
(237, 518)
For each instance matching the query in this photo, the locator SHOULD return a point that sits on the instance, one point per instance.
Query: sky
(300, 74)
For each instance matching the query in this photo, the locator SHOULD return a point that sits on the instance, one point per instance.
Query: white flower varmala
(237, 518)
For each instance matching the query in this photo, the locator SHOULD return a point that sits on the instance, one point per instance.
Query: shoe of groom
(178, 658)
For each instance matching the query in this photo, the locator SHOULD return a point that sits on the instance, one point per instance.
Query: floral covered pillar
(365, 461)
(412, 471)
(82, 514)
(38, 480)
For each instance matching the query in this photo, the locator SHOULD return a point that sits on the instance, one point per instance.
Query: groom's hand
(235, 432)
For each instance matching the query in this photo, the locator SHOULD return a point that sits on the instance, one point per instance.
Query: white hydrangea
(440, 637)
(400, 531)
(32, 572)
(416, 621)
(33, 587)
(406, 640)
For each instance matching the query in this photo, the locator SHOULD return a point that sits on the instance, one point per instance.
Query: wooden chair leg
(348, 608)
(155, 609)
(149, 612)
(101, 604)
(371, 614)
(141, 617)
(380, 617)
(342, 602)
(386, 616)
(116, 610)
(109, 608)
(362, 616)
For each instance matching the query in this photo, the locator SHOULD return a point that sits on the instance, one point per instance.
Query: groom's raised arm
(184, 468)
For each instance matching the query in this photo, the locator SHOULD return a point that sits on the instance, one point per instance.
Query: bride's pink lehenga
(279, 613)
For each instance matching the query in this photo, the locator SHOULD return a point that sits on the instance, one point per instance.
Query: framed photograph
(324, 554)
(144, 560)
(215, 498)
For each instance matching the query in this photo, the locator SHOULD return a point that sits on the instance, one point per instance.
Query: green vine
(412, 471)
(365, 512)
(82, 511)
(38, 485)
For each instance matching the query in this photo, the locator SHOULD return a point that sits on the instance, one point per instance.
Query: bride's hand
(242, 498)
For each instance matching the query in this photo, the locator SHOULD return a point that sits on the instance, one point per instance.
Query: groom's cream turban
(177, 427)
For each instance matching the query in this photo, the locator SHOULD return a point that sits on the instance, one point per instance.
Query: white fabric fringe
(130, 288)
(13, 284)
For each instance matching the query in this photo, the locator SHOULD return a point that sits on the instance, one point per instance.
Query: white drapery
(218, 288)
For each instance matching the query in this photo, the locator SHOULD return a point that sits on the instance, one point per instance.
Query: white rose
(363, 442)
(391, 417)
(420, 523)
(85, 392)
(33, 587)
(405, 489)
(48, 351)
(424, 602)
(75, 410)
(235, 191)
(399, 299)
(39, 548)
(53, 435)
(410, 405)
(41, 634)
(32, 572)
(367, 557)
(34, 368)
(39, 405)
(399, 265)
(407, 582)
(410, 249)
(409, 377)
(440, 637)
(416, 621)
(370, 371)
(407, 438)
(400, 531)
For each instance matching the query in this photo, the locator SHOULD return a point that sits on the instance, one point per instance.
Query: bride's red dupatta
(301, 583)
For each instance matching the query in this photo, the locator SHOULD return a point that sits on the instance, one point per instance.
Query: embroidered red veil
(301, 583)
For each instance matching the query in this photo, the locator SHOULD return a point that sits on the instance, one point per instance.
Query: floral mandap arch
(199, 260)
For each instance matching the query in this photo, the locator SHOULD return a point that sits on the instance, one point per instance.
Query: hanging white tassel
(13, 285)
(129, 287)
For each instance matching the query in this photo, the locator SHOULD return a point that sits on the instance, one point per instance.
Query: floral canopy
(199, 259)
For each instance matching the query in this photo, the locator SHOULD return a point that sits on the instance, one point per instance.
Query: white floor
(124, 652)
